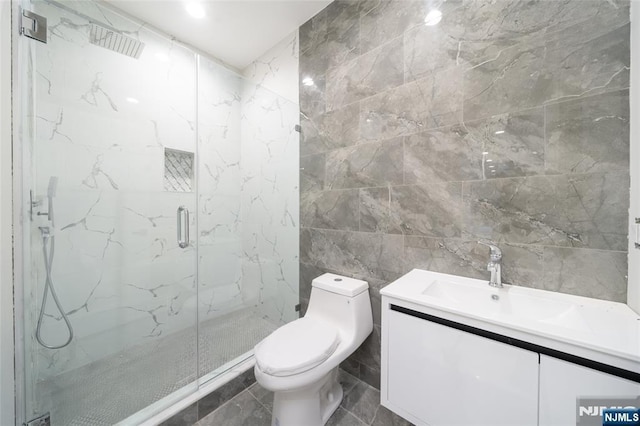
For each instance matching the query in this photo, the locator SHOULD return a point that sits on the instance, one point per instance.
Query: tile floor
(360, 406)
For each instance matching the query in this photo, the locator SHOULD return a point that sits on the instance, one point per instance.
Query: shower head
(115, 41)
(53, 186)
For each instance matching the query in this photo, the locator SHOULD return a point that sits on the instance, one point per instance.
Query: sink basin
(492, 301)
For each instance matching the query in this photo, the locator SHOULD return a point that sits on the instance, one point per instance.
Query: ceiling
(235, 31)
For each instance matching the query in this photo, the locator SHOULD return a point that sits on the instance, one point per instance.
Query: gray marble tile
(313, 32)
(307, 274)
(343, 31)
(442, 155)
(385, 20)
(522, 264)
(363, 401)
(365, 76)
(484, 29)
(512, 144)
(373, 255)
(588, 135)
(312, 172)
(513, 80)
(229, 390)
(431, 210)
(375, 212)
(331, 130)
(263, 396)
(347, 381)
(342, 417)
(336, 209)
(576, 211)
(351, 366)
(185, 417)
(370, 164)
(582, 60)
(370, 376)
(433, 101)
(435, 47)
(588, 59)
(590, 273)
(375, 286)
(243, 410)
(451, 256)
(386, 417)
(311, 93)
(369, 352)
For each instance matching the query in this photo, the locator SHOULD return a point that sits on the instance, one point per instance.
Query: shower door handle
(183, 212)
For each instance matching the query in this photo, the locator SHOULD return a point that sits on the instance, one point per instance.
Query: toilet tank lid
(340, 285)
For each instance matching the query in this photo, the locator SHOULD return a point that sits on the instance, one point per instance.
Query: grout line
(469, 240)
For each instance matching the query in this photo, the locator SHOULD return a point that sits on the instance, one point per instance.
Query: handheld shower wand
(48, 248)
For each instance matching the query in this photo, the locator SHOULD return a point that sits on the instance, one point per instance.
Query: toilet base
(310, 406)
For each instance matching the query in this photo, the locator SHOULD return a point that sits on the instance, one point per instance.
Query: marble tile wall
(507, 121)
(270, 189)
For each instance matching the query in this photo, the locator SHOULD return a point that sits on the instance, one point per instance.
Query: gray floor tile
(385, 417)
(243, 410)
(344, 418)
(363, 401)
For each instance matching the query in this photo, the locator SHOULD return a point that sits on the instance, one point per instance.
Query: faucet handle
(495, 253)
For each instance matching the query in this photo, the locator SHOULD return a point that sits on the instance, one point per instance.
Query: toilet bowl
(299, 361)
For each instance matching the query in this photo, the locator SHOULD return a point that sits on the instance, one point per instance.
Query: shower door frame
(8, 42)
(17, 83)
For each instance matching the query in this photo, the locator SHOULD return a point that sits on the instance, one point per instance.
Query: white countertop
(600, 330)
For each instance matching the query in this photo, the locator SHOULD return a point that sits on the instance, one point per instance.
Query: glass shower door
(109, 139)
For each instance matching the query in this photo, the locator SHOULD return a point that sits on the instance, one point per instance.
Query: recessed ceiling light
(485, 153)
(499, 132)
(489, 160)
(307, 81)
(133, 100)
(433, 17)
(195, 9)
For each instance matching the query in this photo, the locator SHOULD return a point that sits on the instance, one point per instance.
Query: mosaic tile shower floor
(111, 389)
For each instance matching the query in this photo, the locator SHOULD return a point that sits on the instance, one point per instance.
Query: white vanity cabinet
(456, 351)
(438, 375)
(562, 382)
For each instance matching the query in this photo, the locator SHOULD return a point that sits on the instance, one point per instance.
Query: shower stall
(158, 222)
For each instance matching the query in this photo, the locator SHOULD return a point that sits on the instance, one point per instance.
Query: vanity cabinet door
(561, 383)
(444, 376)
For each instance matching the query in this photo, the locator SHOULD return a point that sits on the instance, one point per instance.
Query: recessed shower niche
(178, 170)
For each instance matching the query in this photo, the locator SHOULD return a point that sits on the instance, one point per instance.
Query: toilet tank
(342, 301)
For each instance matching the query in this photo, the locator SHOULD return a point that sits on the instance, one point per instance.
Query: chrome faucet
(495, 264)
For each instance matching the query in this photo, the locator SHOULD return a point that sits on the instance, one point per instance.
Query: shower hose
(48, 239)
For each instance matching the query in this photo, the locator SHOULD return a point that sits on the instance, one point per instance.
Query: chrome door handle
(183, 211)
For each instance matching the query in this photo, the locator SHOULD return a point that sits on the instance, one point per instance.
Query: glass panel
(126, 133)
(101, 121)
(248, 215)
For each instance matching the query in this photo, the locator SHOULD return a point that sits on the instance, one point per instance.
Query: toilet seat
(296, 347)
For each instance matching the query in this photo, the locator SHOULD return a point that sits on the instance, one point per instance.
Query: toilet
(299, 361)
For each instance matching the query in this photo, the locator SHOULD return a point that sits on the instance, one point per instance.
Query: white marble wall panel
(270, 192)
